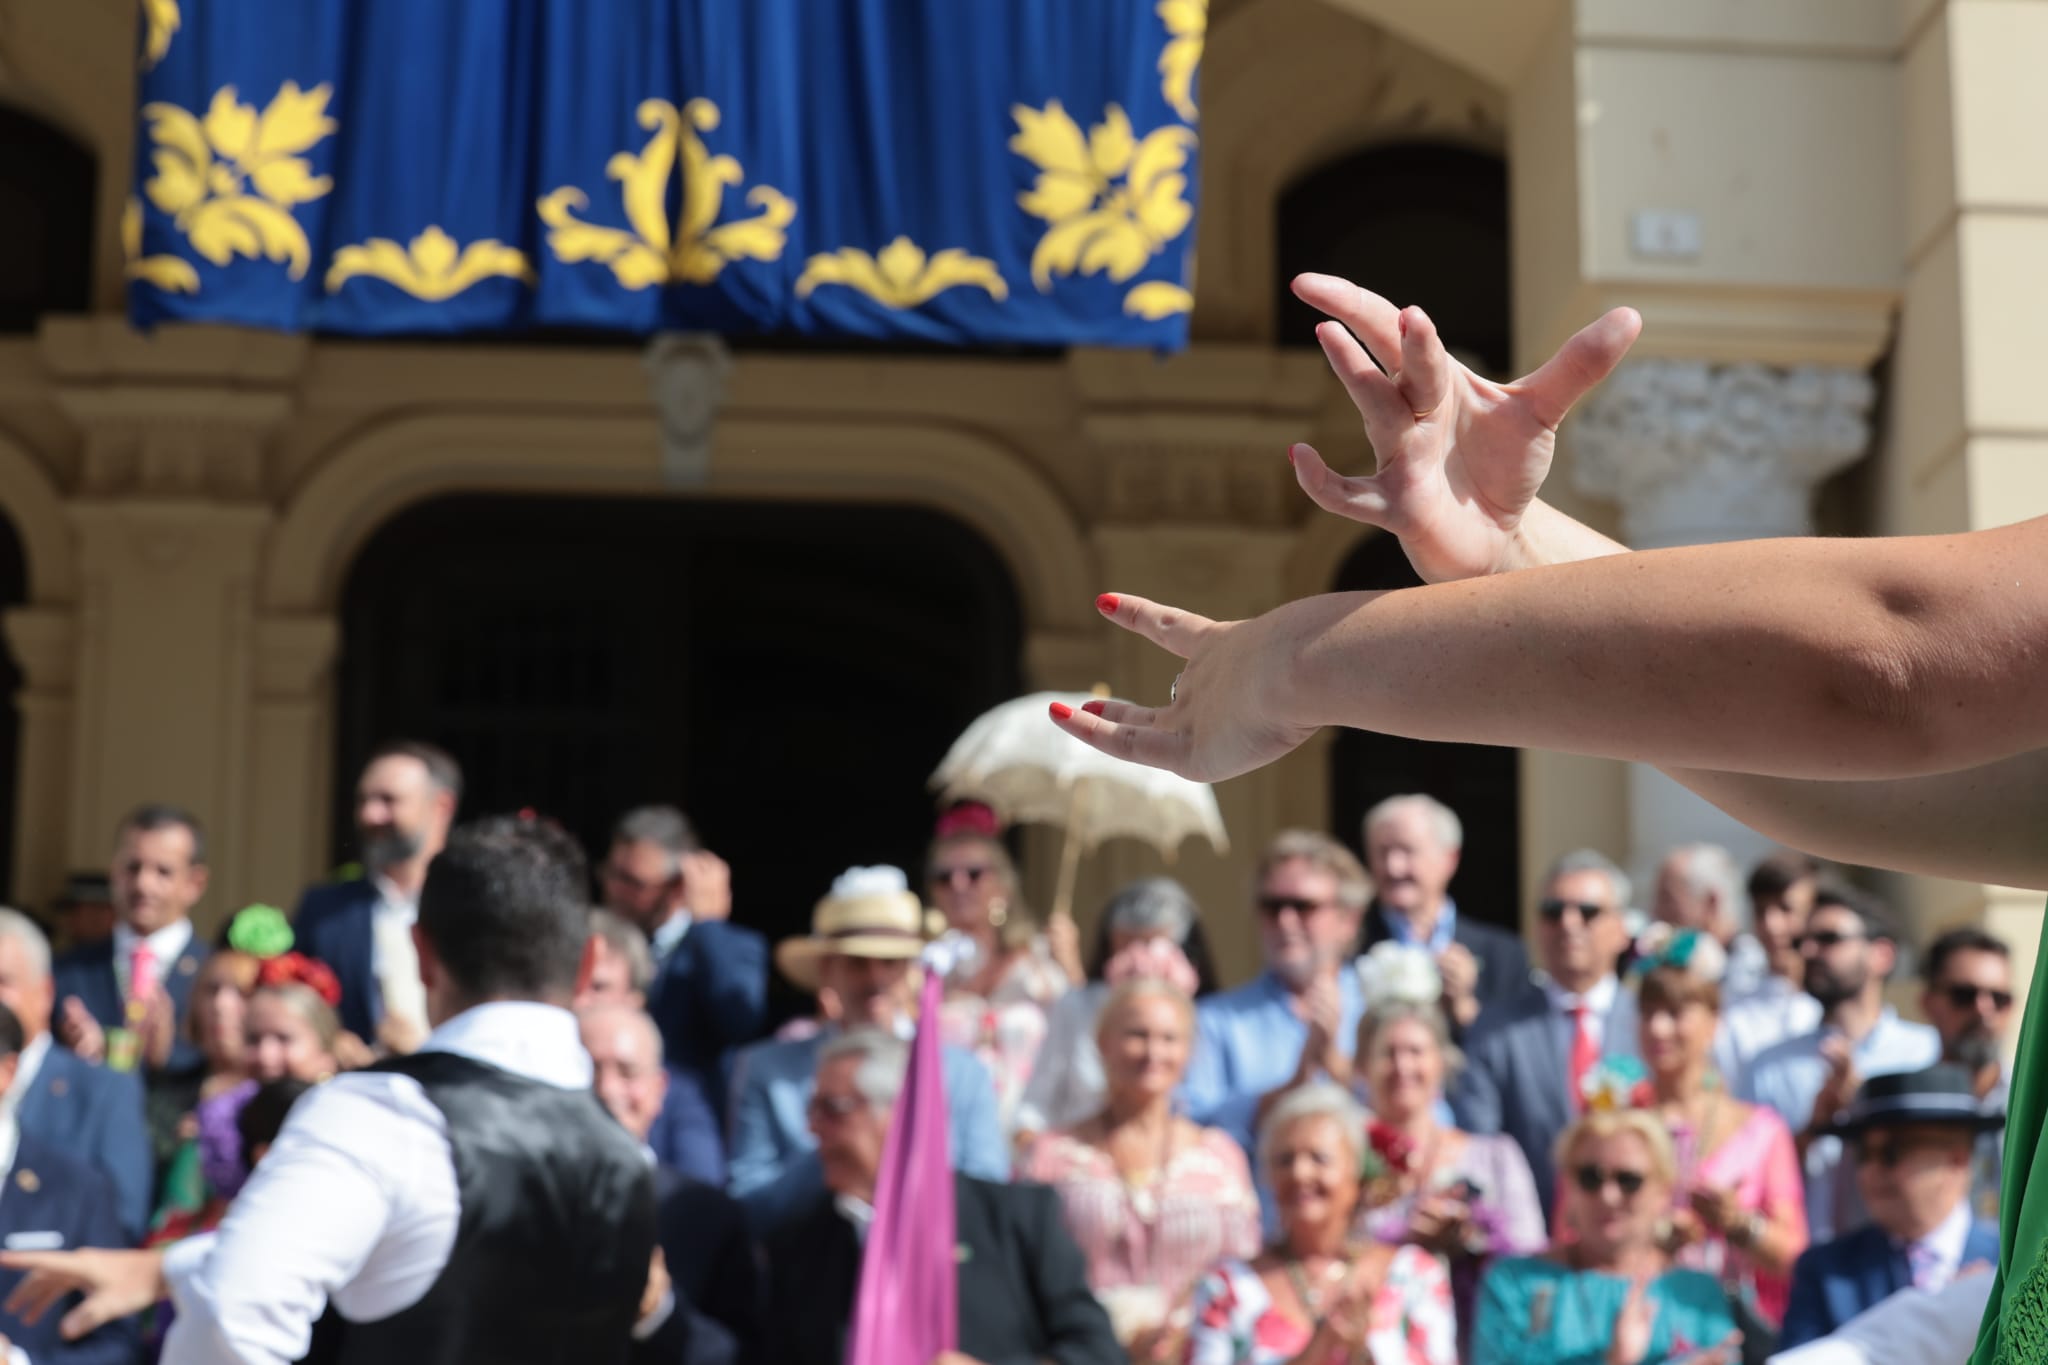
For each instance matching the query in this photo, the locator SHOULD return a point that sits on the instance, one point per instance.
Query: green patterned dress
(2015, 1330)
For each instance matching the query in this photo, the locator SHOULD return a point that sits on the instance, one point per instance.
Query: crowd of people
(1696, 1130)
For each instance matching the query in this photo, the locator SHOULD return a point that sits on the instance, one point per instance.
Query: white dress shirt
(668, 935)
(1944, 1248)
(394, 961)
(25, 1072)
(355, 1203)
(1911, 1327)
(1599, 1003)
(166, 945)
(10, 1143)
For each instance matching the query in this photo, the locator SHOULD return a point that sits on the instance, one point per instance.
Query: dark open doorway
(788, 674)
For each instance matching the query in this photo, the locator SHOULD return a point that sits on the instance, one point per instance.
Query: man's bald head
(625, 1050)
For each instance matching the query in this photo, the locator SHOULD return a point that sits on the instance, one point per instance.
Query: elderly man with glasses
(1528, 1060)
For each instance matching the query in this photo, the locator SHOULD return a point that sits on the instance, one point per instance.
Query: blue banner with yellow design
(964, 172)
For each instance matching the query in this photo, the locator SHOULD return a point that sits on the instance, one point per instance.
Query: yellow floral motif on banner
(901, 276)
(1186, 22)
(701, 246)
(430, 267)
(168, 273)
(1113, 201)
(1156, 299)
(159, 21)
(229, 181)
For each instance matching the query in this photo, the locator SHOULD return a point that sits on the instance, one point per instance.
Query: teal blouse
(1534, 1311)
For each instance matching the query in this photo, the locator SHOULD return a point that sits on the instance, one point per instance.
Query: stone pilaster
(1695, 452)
(172, 516)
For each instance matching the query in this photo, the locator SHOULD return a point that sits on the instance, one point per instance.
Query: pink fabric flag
(908, 1307)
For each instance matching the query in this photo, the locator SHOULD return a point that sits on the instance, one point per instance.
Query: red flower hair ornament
(968, 817)
(296, 969)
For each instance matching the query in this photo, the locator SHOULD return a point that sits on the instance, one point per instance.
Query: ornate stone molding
(190, 420)
(687, 375)
(1696, 452)
(1200, 439)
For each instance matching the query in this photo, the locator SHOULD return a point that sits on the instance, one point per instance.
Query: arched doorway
(1435, 215)
(789, 674)
(1479, 782)
(46, 181)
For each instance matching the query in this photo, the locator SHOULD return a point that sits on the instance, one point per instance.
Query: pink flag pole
(907, 1310)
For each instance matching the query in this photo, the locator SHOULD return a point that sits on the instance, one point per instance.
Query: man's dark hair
(667, 828)
(12, 1038)
(1779, 873)
(148, 819)
(1967, 938)
(262, 1117)
(1875, 916)
(442, 769)
(504, 908)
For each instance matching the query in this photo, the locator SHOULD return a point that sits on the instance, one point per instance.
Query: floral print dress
(1237, 1322)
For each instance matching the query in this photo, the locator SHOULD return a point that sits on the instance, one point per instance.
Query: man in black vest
(473, 1202)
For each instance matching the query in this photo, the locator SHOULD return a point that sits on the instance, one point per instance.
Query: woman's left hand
(1230, 708)
(1720, 1210)
(1441, 1224)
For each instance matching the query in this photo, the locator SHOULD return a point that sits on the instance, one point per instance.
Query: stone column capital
(192, 419)
(1696, 451)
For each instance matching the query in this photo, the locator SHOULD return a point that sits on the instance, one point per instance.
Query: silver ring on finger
(1173, 692)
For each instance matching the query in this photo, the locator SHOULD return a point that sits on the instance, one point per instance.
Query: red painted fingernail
(1290, 455)
(1404, 322)
(1062, 711)
(1106, 604)
(1093, 708)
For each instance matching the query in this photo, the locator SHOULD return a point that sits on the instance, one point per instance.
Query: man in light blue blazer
(1525, 1054)
(63, 1101)
(861, 957)
(1913, 1135)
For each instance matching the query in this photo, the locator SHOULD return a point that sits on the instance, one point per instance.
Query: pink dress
(1006, 1028)
(1760, 1164)
(1412, 1323)
(1147, 1245)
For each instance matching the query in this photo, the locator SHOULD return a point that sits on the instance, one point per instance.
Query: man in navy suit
(1913, 1134)
(123, 1002)
(1412, 845)
(713, 1265)
(52, 1201)
(59, 1099)
(710, 990)
(362, 928)
(1527, 1058)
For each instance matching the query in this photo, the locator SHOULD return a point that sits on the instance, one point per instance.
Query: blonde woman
(1608, 1294)
(1152, 1199)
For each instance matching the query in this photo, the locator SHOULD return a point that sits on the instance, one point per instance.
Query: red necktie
(1585, 1052)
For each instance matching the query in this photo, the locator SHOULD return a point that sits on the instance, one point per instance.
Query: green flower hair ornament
(1688, 950)
(261, 931)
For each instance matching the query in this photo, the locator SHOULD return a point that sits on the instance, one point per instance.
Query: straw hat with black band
(871, 912)
(1941, 1095)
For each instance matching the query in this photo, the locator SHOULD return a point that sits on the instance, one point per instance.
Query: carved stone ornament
(687, 374)
(1696, 452)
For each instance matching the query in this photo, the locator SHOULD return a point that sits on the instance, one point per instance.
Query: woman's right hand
(1460, 457)
(1633, 1326)
(1441, 1224)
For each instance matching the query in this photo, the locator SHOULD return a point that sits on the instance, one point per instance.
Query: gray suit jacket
(1517, 1077)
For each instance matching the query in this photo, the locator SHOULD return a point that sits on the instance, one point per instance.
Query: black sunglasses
(1274, 905)
(1965, 997)
(1553, 910)
(1827, 938)
(946, 876)
(1593, 1179)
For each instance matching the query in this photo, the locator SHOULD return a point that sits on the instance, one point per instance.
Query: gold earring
(998, 913)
